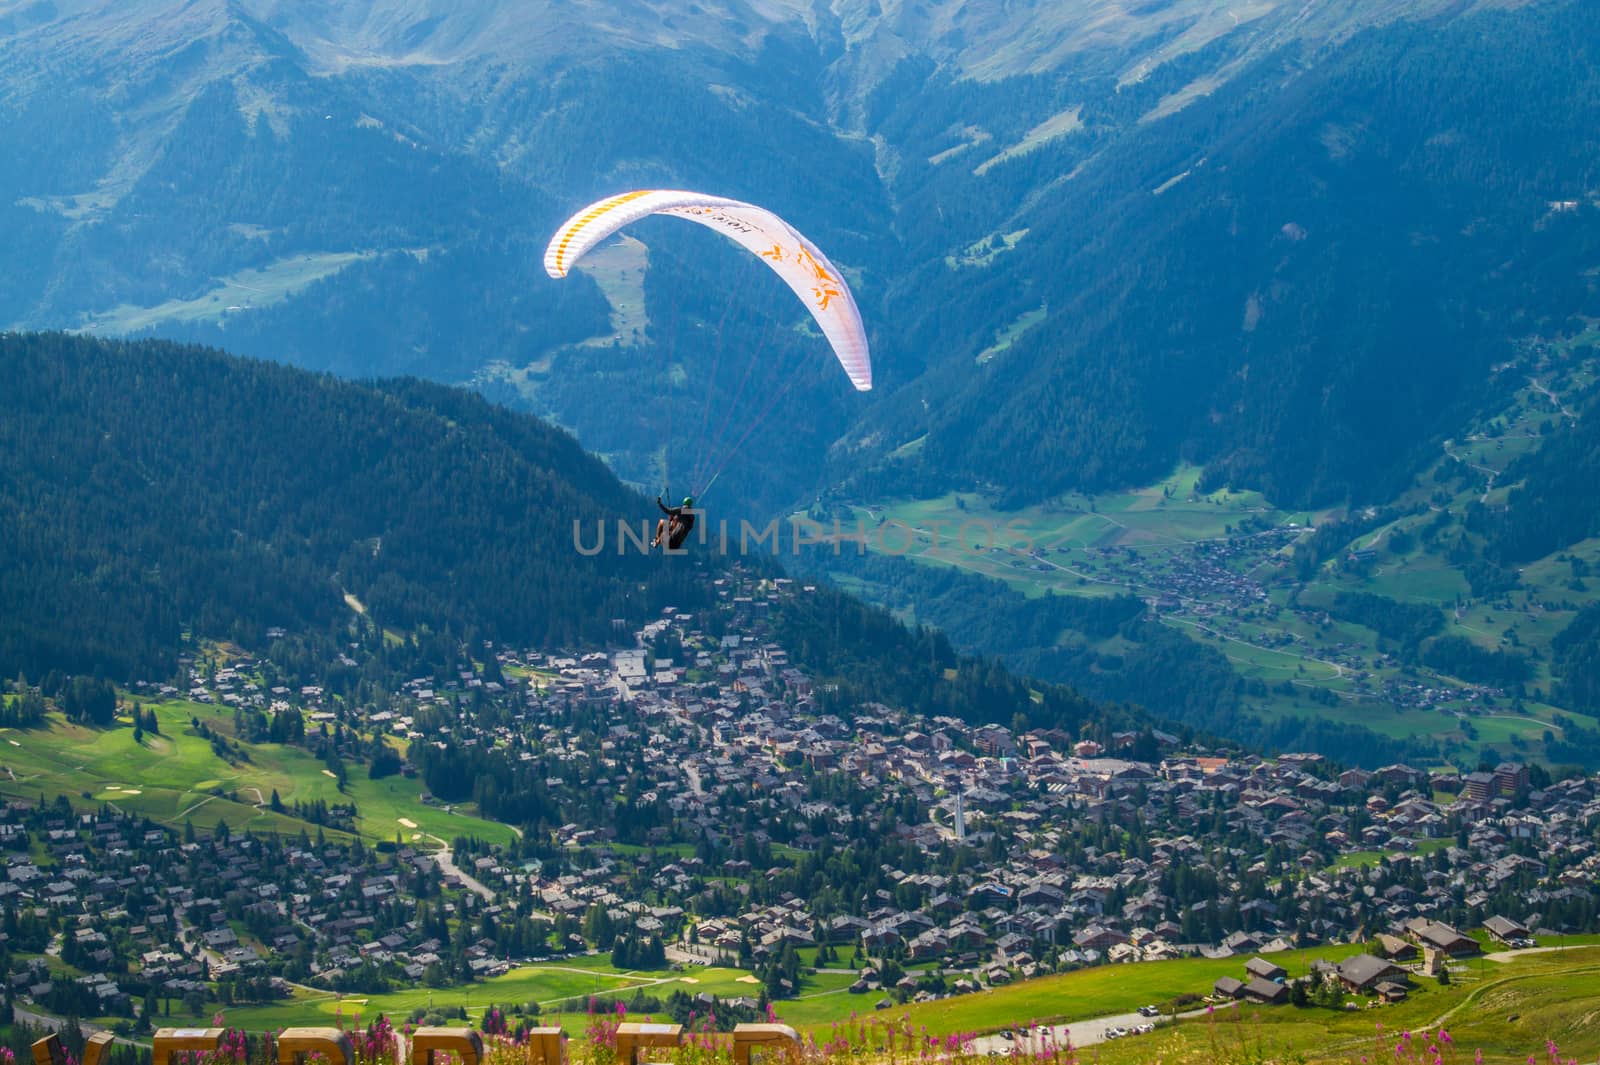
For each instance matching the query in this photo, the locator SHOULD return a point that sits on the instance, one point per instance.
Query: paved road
(1503, 956)
(1553, 398)
(1087, 1032)
(44, 1020)
(447, 865)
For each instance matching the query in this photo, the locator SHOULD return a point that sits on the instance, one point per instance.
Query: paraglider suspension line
(727, 416)
(794, 375)
(666, 443)
(711, 382)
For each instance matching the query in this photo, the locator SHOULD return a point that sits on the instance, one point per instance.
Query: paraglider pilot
(674, 528)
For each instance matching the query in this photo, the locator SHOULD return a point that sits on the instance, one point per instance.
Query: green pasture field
(1004, 338)
(246, 290)
(1363, 859)
(1095, 992)
(618, 268)
(1506, 1003)
(561, 989)
(175, 777)
(1508, 1011)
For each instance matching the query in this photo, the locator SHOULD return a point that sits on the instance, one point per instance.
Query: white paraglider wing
(791, 256)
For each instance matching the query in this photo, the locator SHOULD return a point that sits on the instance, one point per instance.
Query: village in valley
(703, 801)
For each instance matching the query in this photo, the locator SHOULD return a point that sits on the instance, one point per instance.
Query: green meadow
(1508, 1004)
(1508, 1011)
(561, 991)
(1096, 992)
(176, 777)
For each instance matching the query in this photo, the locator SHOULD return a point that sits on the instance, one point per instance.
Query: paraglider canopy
(801, 264)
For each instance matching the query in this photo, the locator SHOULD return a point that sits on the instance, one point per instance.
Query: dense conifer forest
(149, 489)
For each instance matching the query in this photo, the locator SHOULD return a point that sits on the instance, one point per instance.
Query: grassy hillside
(1508, 1010)
(1098, 992)
(1507, 1005)
(562, 991)
(176, 777)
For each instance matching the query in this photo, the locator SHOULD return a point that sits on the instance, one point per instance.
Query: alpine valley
(1187, 650)
(1272, 324)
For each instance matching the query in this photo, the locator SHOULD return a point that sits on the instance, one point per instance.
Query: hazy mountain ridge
(1009, 198)
(987, 42)
(1320, 235)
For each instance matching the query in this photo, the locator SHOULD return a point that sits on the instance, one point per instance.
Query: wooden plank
(464, 1043)
(295, 1044)
(633, 1037)
(170, 1041)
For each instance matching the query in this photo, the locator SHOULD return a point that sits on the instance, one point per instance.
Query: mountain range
(1303, 248)
(1101, 236)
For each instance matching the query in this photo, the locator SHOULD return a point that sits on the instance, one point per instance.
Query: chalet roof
(1264, 968)
(1365, 970)
(1504, 926)
(1266, 990)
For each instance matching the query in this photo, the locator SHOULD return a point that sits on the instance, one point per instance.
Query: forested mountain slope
(150, 491)
(1295, 246)
(147, 489)
(1300, 282)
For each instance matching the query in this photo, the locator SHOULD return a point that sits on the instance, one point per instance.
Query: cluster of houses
(1211, 581)
(1419, 947)
(1209, 578)
(731, 722)
(153, 917)
(730, 740)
